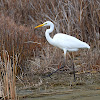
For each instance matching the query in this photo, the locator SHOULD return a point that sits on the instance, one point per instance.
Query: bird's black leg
(49, 75)
(73, 67)
(74, 72)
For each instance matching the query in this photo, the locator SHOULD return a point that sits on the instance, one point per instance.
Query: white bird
(63, 41)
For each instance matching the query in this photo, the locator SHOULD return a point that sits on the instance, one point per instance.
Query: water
(83, 92)
(75, 95)
(88, 89)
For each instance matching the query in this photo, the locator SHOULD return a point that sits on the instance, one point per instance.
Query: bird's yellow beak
(40, 25)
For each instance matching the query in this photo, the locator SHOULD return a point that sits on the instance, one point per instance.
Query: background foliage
(79, 18)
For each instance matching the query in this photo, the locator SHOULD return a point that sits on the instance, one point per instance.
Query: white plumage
(68, 42)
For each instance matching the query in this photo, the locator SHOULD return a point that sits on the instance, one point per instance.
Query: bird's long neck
(48, 31)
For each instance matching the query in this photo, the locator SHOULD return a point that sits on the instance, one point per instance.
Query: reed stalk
(9, 81)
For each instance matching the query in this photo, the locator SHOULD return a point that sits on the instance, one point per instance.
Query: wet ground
(62, 87)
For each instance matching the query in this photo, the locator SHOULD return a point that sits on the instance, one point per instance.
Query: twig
(32, 42)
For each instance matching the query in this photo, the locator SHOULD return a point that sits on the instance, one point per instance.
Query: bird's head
(47, 23)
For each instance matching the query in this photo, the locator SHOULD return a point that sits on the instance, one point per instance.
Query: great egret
(63, 41)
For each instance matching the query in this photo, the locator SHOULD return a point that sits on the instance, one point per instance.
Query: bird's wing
(67, 41)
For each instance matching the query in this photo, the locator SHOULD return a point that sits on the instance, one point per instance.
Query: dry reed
(79, 18)
(9, 76)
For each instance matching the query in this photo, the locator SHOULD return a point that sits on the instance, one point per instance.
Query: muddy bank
(62, 87)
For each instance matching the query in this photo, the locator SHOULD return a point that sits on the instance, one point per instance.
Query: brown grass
(79, 18)
(8, 68)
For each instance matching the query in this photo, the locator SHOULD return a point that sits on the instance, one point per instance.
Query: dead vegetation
(79, 18)
(8, 74)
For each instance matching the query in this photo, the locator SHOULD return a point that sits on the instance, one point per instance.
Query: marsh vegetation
(26, 57)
